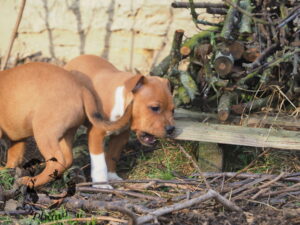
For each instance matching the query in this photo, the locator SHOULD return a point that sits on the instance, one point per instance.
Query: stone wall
(129, 33)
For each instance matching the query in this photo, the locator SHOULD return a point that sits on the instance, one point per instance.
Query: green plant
(6, 179)
(5, 220)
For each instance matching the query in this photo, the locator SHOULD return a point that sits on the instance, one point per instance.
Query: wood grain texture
(237, 135)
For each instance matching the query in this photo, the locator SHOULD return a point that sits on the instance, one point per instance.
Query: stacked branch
(253, 55)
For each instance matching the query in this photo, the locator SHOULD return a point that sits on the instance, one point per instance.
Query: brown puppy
(47, 102)
(152, 113)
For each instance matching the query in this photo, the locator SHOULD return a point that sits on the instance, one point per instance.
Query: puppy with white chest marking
(152, 111)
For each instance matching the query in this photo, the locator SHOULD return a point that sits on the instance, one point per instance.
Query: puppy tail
(93, 115)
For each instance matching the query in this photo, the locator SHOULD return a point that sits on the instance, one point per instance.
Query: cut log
(237, 135)
(252, 105)
(201, 52)
(185, 50)
(189, 84)
(190, 43)
(236, 49)
(251, 54)
(175, 50)
(230, 22)
(224, 106)
(223, 63)
(162, 68)
(245, 25)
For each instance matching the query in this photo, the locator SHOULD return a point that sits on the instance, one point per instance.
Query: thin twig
(13, 35)
(282, 174)
(262, 56)
(188, 203)
(243, 188)
(198, 5)
(250, 164)
(131, 215)
(118, 192)
(264, 188)
(195, 165)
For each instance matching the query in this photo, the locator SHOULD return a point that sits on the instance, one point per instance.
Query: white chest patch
(118, 109)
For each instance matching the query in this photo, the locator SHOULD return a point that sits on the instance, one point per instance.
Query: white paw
(101, 186)
(113, 176)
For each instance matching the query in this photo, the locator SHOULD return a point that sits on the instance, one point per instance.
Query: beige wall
(130, 33)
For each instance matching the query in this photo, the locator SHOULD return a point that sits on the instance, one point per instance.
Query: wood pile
(248, 62)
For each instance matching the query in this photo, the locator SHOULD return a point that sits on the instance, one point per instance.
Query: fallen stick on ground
(185, 204)
(282, 174)
(119, 192)
(131, 215)
(245, 187)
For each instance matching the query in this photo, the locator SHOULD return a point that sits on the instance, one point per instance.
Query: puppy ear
(167, 82)
(135, 83)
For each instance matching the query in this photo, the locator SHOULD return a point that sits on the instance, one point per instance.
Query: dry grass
(166, 162)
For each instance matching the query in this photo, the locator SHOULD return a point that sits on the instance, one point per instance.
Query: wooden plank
(237, 135)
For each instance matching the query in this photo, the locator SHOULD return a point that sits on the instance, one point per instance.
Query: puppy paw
(103, 186)
(24, 180)
(113, 176)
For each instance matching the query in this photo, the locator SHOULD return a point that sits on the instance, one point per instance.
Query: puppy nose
(170, 129)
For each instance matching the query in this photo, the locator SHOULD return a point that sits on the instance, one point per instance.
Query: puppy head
(153, 108)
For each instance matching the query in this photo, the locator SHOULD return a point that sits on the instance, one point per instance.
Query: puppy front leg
(115, 147)
(97, 154)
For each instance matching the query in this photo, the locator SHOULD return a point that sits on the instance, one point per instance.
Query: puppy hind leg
(15, 154)
(66, 147)
(54, 156)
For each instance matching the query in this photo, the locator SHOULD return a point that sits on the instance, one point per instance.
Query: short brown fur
(47, 102)
(145, 90)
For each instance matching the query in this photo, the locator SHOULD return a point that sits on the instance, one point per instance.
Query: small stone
(11, 205)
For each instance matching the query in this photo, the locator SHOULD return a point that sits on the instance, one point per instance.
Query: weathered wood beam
(237, 135)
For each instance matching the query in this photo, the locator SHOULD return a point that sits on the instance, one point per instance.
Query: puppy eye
(173, 111)
(155, 108)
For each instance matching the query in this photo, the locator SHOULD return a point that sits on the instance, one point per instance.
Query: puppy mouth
(146, 138)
